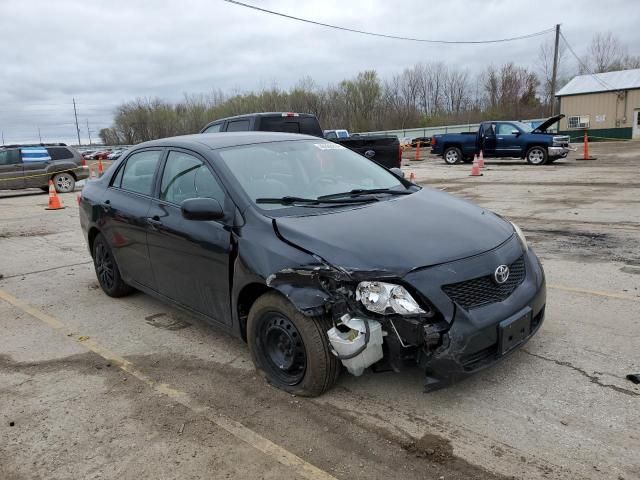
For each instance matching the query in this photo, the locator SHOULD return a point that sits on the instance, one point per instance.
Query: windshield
(305, 169)
(524, 127)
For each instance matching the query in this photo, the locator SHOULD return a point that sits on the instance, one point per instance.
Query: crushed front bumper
(481, 336)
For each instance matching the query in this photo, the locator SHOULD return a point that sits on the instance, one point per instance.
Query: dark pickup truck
(384, 150)
(503, 140)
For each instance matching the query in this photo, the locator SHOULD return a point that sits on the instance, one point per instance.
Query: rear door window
(138, 172)
(60, 153)
(238, 126)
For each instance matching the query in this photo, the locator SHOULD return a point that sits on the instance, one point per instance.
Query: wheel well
(93, 233)
(247, 297)
(449, 145)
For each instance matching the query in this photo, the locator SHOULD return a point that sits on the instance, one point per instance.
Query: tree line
(422, 95)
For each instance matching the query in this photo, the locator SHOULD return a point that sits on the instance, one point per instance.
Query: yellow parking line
(237, 429)
(598, 293)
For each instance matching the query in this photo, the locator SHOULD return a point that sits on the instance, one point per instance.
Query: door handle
(154, 221)
(500, 138)
(106, 205)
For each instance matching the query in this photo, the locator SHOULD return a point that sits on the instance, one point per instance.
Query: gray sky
(104, 53)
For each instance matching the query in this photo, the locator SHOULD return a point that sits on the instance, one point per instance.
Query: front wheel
(537, 156)
(452, 155)
(64, 182)
(290, 349)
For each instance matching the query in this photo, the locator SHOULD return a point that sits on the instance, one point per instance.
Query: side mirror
(397, 171)
(515, 132)
(202, 209)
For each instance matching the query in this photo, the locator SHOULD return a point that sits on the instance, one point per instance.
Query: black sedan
(316, 256)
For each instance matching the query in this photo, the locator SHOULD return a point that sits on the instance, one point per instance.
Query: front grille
(483, 290)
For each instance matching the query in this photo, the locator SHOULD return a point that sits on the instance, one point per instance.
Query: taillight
(399, 155)
(433, 141)
(290, 114)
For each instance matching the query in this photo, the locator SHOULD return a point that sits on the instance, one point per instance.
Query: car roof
(213, 141)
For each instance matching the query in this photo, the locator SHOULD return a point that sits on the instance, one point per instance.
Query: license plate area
(513, 330)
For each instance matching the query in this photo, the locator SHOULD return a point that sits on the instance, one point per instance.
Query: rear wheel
(290, 349)
(537, 156)
(64, 182)
(452, 155)
(107, 269)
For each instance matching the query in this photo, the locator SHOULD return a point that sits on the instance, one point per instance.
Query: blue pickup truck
(503, 140)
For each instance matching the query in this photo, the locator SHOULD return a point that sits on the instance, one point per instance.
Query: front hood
(395, 236)
(548, 122)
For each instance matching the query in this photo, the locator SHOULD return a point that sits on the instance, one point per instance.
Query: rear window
(304, 125)
(59, 153)
(238, 126)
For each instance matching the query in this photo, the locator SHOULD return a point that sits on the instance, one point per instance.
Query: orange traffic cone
(100, 167)
(417, 157)
(412, 177)
(481, 160)
(585, 155)
(54, 201)
(475, 169)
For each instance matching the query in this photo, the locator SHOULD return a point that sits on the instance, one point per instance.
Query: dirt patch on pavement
(343, 442)
(36, 232)
(584, 246)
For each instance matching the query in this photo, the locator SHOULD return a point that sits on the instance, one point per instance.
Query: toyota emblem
(501, 274)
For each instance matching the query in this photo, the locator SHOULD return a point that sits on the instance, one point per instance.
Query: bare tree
(606, 54)
(544, 69)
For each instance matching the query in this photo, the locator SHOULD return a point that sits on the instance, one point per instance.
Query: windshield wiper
(366, 191)
(313, 201)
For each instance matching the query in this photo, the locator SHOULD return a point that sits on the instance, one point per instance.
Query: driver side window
(506, 129)
(186, 176)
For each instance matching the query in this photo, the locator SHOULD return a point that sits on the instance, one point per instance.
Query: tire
(452, 155)
(537, 156)
(107, 269)
(64, 182)
(289, 349)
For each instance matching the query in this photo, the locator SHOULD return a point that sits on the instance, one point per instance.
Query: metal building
(606, 105)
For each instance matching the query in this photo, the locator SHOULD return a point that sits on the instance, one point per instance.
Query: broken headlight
(387, 298)
(523, 240)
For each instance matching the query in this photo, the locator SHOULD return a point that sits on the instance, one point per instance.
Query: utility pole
(88, 131)
(3, 137)
(39, 136)
(555, 71)
(76, 114)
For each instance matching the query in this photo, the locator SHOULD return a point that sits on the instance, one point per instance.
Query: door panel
(126, 206)
(190, 258)
(35, 163)
(507, 144)
(11, 171)
(636, 124)
(488, 140)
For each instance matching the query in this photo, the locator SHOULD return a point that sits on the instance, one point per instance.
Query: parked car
(86, 154)
(100, 155)
(314, 256)
(504, 140)
(424, 142)
(115, 154)
(32, 166)
(382, 149)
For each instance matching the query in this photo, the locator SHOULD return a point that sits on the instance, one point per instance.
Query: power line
(585, 67)
(394, 37)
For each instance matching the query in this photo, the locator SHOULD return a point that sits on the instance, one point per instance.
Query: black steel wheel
(284, 350)
(289, 349)
(107, 269)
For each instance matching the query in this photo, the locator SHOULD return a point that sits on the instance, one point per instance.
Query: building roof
(602, 82)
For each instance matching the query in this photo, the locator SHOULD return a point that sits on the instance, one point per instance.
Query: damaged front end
(376, 323)
(389, 321)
